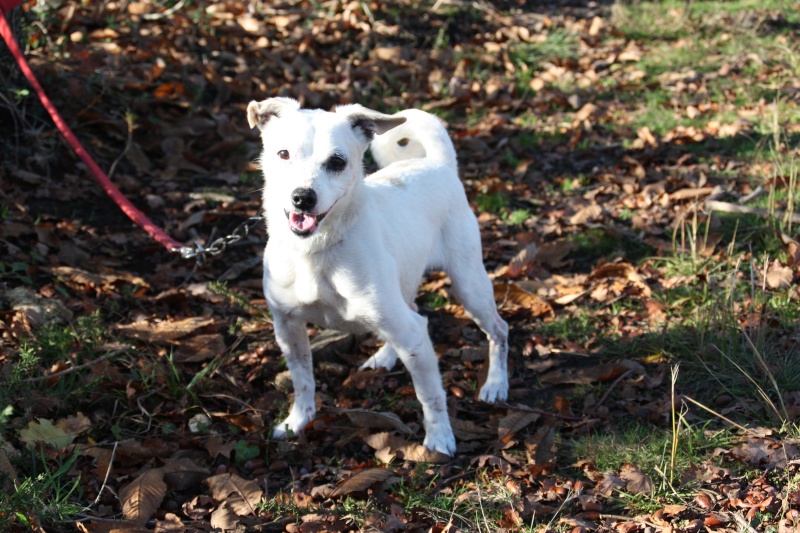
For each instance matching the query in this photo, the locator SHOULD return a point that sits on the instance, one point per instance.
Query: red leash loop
(111, 190)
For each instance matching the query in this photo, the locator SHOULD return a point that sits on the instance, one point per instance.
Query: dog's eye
(283, 154)
(403, 141)
(335, 163)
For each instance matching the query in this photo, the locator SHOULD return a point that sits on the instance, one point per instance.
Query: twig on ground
(727, 207)
(128, 142)
(163, 14)
(542, 412)
(106, 357)
(605, 395)
(105, 480)
(743, 523)
(636, 519)
(723, 417)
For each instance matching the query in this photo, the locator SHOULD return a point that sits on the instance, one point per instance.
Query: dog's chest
(305, 291)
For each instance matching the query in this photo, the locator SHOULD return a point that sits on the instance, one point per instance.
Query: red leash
(111, 190)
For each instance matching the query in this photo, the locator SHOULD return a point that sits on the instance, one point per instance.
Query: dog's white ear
(369, 122)
(259, 113)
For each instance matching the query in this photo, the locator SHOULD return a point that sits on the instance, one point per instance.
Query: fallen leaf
(504, 293)
(222, 518)
(362, 481)
(779, 276)
(522, 260)
(141, 498)
(516, 420)
(164, 330)
(624, 271)
(241, 495)
(541, 447)
(377, 420)
(402, 449)
(590, 213)
(46, 433)
(636, 481)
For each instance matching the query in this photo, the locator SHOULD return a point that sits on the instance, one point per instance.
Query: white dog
(348, 252)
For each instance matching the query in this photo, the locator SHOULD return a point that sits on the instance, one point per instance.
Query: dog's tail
(422, 135)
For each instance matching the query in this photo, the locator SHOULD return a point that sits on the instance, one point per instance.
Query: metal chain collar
(200, 252)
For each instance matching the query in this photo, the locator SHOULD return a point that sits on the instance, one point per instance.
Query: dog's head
(312, 159)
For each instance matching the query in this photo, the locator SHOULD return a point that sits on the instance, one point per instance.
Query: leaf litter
(546, 170)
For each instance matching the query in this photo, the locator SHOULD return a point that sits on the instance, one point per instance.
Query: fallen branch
(542, 412)
(727, 207)
(79, 367)
(608, 391)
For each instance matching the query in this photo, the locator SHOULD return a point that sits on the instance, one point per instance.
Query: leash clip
(199, 252)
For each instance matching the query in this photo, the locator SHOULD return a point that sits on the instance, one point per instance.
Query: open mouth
(304, 224)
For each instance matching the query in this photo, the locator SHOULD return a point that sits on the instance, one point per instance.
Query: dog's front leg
(292, 338)
(407, 332)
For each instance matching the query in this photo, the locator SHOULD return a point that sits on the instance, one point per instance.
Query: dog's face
(312, 159)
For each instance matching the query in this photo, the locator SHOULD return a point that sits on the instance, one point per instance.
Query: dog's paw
(494, 391)
(290, 427)
(440, 439)
(386, 358)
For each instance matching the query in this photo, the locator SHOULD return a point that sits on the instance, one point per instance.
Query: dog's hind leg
(407, 332)
(385, 357)
(473, 288)
(292, 338)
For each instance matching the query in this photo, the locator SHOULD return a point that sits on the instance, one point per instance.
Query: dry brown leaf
(392, 446)
(517, 295)
(624, 271)
(199, 348)
(376, 420)
(647, 136)
(553, 254)
(519, 262)
(466, 430)
(102, 460)
(631, 53)
(516, 420)
(792, 248)
(596, 26)
(163, 330)
(170, 524)
(636, 481)
(541, 447)
(590, 374)
(223, 518)
(7, 469)
(141, 497)
(779, 276)
(482, 460)
(362, 481)
(241, 495)
(74, 424)
(590, 213)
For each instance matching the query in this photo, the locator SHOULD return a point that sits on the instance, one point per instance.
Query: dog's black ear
(369, 122)
(259, 113)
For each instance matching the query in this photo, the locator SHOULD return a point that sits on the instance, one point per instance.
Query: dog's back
(422, 136)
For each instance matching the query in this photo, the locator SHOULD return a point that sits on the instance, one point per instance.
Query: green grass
(594, 244)
(47, 495)
(579, 328)
(651, 450)
(494, 202)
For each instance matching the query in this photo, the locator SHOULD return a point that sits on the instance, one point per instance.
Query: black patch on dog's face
(335, 163)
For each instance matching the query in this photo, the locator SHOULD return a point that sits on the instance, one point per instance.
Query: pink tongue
(302, 221)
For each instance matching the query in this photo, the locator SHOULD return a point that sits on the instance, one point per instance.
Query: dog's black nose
(304, 199)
